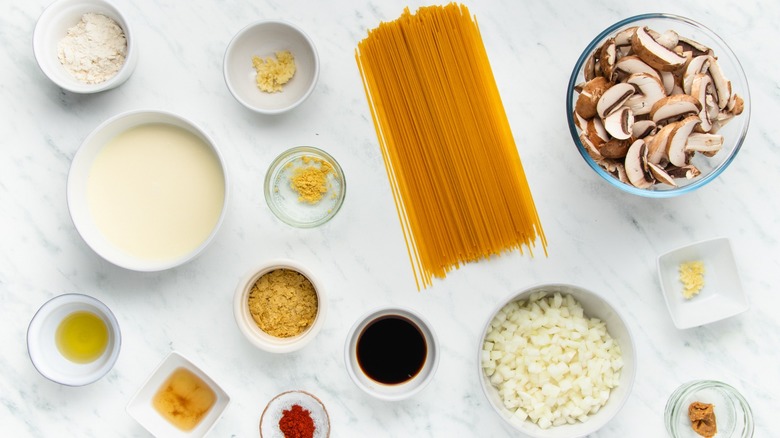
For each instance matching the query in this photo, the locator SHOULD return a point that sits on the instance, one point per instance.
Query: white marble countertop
(599, 237)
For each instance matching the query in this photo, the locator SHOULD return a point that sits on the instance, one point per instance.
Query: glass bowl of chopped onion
(556, 361)
(658, 105)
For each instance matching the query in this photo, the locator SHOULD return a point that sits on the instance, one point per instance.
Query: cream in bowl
(147, 190)
(279, 306)
(556, 361)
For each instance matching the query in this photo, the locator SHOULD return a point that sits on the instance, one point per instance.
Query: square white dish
(722, 295)
(142, 410)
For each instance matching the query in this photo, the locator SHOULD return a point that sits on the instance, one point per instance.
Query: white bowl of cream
(147, 190)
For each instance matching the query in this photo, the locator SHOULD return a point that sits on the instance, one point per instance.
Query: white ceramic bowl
(78, 178)
(142, 409)
(263, 39)
(269, 420)
(43, 350)
(53, 25)
(720, 297)
(593, 306)
(255, 334)
(398, 391)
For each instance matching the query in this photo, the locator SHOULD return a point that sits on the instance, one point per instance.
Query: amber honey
(184, 399)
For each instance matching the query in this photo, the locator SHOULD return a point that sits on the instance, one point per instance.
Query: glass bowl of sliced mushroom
(658, 105)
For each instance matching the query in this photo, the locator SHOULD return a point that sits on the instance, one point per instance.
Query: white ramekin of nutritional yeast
(85, 46)
(279, 306)
(148, 190)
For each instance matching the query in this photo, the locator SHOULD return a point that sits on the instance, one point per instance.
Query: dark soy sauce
(391, 350)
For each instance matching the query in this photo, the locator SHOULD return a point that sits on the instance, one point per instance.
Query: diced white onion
(550, 364)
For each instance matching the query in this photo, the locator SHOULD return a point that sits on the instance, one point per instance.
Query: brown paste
(702, 417)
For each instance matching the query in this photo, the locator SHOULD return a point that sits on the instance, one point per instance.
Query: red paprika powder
(296, 422)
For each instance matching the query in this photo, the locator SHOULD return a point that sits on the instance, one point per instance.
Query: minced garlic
(273, 73)
(692, 278)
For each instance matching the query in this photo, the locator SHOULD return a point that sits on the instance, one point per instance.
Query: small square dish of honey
(178, 400)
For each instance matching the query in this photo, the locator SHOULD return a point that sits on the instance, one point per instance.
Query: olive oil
(82, 337)
(184, 399)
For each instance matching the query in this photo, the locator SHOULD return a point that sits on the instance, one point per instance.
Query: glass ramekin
(733, 416)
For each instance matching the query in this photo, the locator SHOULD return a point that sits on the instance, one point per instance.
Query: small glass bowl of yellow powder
(305, 187)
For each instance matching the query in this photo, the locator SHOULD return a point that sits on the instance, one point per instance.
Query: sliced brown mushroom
(620, 123)
(656, 153)
(660, 175)
(590, 148)
(675, 145)
(607, 58)
(736, 105)
(649, 91)
(653, 53)
(722, 85)
(708, 144)
(698, 48)
(613, 98)
(590, 95)
(673, 107)
(668, 39)
(596, 132)
(699, 89)
(623, 38)
(668, 80)
(688, 171)
(614, 148)
(633, 64)
(643, 129)
(579, 121)
(698, 65)
(637, 170)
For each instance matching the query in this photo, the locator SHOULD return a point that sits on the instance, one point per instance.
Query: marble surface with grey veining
(599, 237)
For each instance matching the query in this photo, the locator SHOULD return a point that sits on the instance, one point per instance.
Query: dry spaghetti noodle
(458, 184)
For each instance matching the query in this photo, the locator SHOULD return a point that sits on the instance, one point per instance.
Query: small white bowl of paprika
(279, 306)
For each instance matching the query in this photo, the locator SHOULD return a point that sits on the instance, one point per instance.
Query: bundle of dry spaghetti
(456, 176)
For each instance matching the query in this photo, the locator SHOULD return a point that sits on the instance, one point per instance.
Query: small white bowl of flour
(84, 46)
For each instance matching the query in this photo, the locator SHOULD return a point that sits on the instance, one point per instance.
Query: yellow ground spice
(283, 303)
(273, 73)
(310, 181)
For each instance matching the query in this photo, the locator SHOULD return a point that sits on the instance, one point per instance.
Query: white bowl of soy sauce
(391, 353)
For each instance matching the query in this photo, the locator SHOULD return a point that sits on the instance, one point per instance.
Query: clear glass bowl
(289, 204)
(734, 132)
(733, 416)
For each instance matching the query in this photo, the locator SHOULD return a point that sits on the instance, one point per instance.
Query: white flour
(94, 50)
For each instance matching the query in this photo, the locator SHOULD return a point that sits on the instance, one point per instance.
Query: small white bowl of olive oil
(73, 339)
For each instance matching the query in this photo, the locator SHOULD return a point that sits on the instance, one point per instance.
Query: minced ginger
(692, 278)
(273, 73)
